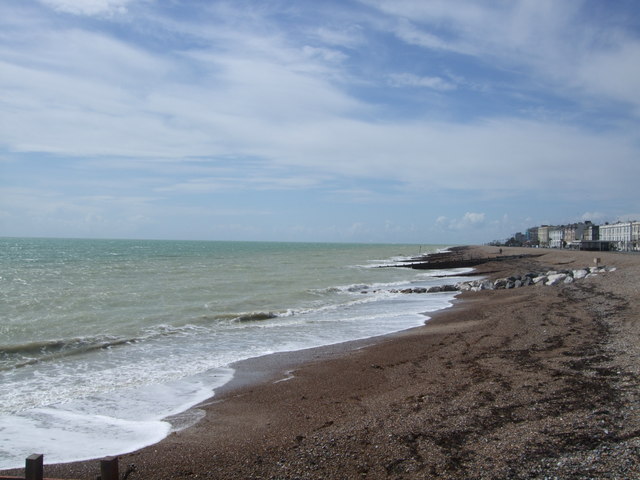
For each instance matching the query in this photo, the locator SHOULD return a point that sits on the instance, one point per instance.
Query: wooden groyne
(34, 469)
(456, 257)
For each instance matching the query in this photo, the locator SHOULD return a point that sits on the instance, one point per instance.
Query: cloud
(469, 107)
(628, 217)
(470, 220)
(595, 217)
(411, 80)
(236, 183)
(575, 54)
(89, 7)
(350, 36)
(255, 95)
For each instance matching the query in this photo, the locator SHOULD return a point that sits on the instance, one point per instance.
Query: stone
(578, 274)
(556, 278)
(486, 285)
(500, 283)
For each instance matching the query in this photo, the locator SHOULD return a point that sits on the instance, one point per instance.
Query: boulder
(486, 285)
(500, 283)
(578, 274)
(556, 278)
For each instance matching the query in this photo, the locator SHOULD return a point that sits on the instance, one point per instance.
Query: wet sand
(535, 382)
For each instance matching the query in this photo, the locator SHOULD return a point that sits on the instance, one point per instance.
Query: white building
(556, 237)
(624, 235)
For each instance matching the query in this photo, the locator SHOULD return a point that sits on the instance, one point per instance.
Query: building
(543, 236)
(532, 237)
(625, 236)
(556, 237)
(591, 232)
(574, 233)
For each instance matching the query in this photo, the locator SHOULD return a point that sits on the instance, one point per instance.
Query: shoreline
(503, 384)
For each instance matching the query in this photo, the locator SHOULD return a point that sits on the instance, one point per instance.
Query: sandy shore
(535, 382)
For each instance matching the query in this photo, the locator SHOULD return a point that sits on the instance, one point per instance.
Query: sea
(106, 345)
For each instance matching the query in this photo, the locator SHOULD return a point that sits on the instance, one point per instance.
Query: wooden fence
(34, 469)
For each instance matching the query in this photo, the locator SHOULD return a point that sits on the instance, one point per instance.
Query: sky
(404, 121)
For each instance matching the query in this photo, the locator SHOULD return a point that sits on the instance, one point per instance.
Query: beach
(532, 382)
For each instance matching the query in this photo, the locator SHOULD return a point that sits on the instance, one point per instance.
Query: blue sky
(418, 121)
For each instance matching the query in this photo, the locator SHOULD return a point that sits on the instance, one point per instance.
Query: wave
(359, 288)
(256, 317)
(30, 353)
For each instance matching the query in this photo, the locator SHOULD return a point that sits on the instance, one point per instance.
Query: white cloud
(349, 37)
(549, 41)
(595, 217)
(627, 217)
(89, 7)
(470, 220)
(411, 80)
(327, 54)
(250, 181)
(228, 100)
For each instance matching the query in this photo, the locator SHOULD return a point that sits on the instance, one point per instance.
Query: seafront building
(543, 236)
(620, 236)
(556, 237)
(624, 235)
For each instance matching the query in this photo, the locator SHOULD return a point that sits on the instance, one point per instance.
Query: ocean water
(104, 342)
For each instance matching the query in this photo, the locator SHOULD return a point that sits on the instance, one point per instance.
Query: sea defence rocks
(549, 278)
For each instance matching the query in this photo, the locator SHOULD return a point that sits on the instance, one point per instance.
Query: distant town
(620, 236)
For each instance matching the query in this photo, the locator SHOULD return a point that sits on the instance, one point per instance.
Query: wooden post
(109, 468)
(34, 467)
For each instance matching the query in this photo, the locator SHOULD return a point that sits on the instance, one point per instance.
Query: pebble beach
(533, 382)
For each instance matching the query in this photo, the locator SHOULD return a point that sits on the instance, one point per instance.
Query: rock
(578, 274)
(556, 278)
(500, 283)
(542, 279)
(486, 285)
(434, 289)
